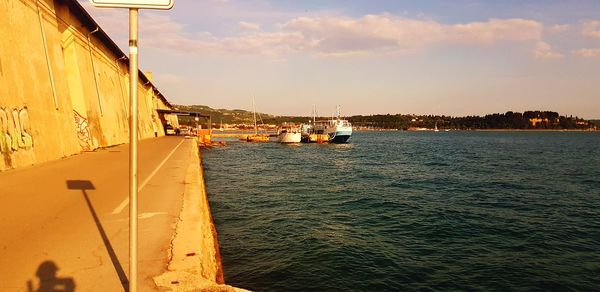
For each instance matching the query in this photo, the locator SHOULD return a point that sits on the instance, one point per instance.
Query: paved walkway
(67, 220)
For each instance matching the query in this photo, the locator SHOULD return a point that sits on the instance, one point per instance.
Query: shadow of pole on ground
(84, 185)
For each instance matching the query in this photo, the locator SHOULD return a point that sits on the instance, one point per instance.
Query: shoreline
(484, 130)
(220, 276)
(194, 256)
(241, 133)
(534, 130)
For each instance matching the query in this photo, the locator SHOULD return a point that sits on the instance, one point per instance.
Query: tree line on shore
(509, 120)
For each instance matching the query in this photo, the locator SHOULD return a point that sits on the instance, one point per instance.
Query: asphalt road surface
(66, 222)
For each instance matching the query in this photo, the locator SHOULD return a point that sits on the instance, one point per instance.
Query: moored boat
(306, 130)
(256, 137)
(338, 129)
(289, 133)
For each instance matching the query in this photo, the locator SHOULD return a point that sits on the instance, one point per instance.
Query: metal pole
(133, 144)
(254, 110)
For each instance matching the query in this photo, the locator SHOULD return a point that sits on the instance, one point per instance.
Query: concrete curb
(194, 263)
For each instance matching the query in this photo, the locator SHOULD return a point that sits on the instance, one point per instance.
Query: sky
(458, 57)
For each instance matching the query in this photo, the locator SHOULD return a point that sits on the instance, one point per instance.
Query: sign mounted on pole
(140, 4)
(133, 6)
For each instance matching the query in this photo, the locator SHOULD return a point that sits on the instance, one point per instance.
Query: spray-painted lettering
(83, 131)
(15, 130)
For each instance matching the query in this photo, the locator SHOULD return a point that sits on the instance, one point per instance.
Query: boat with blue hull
(338, 129)
(340, 136)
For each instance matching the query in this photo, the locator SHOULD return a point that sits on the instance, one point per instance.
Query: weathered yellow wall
(86, 111)
(33, 128)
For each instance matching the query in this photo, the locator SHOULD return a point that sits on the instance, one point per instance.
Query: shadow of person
(46, 272)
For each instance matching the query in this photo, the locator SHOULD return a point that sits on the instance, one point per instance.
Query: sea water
(410, 211)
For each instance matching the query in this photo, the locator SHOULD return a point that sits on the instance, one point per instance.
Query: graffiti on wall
(83, 131)
(15, 130)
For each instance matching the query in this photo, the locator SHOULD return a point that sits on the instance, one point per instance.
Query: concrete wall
(63, 87)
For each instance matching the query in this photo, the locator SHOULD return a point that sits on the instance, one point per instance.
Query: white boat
(289, 133)
(338, 129)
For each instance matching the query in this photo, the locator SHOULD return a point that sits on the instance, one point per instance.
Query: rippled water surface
(406, 211)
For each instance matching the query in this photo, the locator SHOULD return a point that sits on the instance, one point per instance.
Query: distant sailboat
(256, 137)
(435, 129)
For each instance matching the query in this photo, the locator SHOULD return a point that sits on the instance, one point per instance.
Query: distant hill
(508, 120)
(236, 116)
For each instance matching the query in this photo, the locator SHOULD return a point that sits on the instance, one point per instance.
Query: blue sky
(422, 57)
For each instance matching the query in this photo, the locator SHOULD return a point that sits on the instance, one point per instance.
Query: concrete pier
(67, 220)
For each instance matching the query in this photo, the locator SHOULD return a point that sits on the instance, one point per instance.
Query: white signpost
(138, 4)
(133, 6)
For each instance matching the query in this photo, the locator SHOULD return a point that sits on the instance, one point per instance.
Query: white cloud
(263, 43)
(249, 25)
(558, 28)
(329, 36)
(544, 51)
(587, 53)
(383, 33)
(591, 28)
(497, 30)
(340, 35)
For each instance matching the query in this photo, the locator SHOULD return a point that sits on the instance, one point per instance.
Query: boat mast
(254, 109)
(314, 115)
(332, 114)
